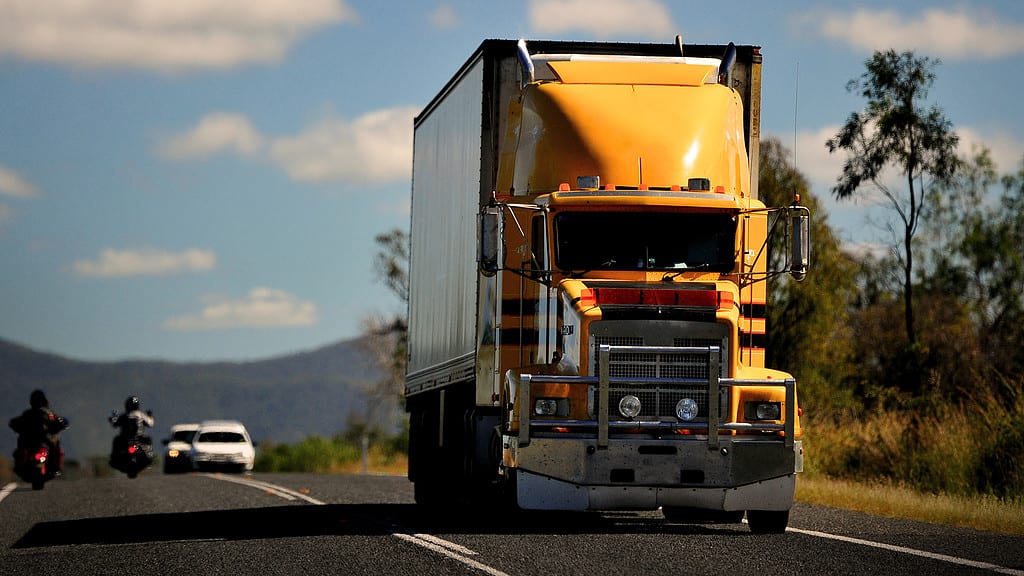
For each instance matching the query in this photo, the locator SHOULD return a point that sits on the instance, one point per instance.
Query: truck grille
(658, 399)
(666, 365)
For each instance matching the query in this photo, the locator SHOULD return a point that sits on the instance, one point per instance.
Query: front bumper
(213, 461)
(574, 474)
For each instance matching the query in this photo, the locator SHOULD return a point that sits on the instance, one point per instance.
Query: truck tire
(768, 521)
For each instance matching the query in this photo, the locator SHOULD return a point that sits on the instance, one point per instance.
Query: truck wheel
(768, 521)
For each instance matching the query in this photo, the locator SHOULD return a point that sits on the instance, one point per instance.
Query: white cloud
(145, 262)
(952, 34)
(603, 18)
(376, 147)
(159, 34)
(261, 308)
(813, 159)
(213, 134)
(1007, 150)
(444, 17)
(11, 184)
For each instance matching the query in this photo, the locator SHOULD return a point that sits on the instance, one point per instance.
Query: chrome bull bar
(603, 381)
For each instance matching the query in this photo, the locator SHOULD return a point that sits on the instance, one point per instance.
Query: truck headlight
(629, 406)
(686, 409)
(762, 411)
(545, 407)
(551, 407)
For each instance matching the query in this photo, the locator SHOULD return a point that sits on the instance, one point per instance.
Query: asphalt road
(294, 524)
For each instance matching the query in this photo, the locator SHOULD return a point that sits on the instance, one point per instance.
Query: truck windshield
(645, 240)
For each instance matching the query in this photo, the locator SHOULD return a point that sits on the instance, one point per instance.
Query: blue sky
(199, 180)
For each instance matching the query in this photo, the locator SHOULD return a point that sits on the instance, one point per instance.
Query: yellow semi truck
(588, 286)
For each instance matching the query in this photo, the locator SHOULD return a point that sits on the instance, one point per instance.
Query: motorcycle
(131, 455)
(134, 457)
(37, 463)
(33, 465)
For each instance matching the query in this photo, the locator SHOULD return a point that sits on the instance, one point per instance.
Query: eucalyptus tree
(897, 131)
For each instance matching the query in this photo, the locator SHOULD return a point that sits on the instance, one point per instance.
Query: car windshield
(646, 240)
(183, 435)
(222, 437)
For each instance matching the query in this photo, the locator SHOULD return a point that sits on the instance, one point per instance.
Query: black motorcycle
(37, 463)
(131, 455)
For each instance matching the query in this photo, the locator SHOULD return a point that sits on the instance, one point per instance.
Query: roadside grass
(1004, 516)
(378, 462)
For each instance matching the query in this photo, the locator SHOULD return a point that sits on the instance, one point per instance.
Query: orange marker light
(588, 297)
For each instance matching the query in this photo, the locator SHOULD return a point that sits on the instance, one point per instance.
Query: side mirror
(492, 226)
(800, 247)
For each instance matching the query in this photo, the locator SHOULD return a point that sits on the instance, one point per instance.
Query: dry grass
(977, 512)
(378, 463)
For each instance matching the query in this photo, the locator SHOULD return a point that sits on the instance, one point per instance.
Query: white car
(177, 457)
(223, 445)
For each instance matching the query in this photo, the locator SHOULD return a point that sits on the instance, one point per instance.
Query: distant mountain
(283, 399)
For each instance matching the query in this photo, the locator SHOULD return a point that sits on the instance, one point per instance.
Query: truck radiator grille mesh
(666, 365)
(658, 400)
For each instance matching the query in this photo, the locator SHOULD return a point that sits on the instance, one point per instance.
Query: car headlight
(629, 406)
(686, 409)
(173, 453)
(762, 410)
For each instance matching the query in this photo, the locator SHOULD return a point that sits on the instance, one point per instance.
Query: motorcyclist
(37, 425)
(133, 423)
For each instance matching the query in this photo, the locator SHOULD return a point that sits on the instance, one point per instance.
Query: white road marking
(449, 553)
(274, 489)
(904, 550)
(457, 548)
(440, 545)
(7, 490)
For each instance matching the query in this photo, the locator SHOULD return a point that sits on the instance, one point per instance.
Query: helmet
(38, 399)
(131, 403)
